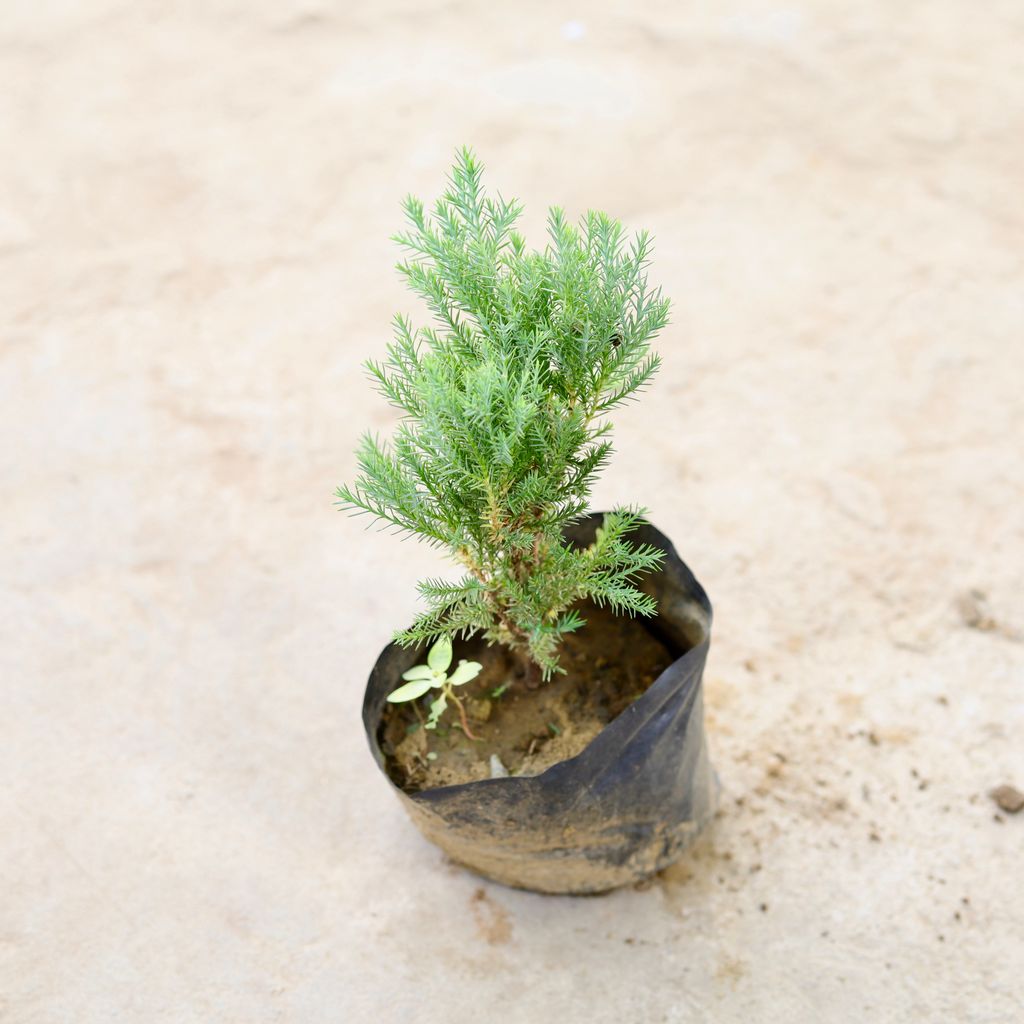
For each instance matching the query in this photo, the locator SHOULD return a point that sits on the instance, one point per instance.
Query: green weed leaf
(466, 671)
(440, 656)
(437, 709)
(409, 692)
(419, 672)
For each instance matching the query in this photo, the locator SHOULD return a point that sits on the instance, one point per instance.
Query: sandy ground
(194, 213)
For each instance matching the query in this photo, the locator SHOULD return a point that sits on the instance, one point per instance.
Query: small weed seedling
(434, 676)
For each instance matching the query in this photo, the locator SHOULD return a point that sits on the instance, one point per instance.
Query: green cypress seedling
(504, 427)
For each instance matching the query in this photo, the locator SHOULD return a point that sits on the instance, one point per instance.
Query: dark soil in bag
(609, 663)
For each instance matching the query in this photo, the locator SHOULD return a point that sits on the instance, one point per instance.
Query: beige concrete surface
(195, 202)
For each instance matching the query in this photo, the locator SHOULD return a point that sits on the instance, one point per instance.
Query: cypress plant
(505, 400)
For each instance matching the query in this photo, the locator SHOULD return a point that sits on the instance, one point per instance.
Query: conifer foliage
(504, 400)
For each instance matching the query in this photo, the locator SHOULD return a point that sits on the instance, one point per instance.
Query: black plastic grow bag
(624, 808)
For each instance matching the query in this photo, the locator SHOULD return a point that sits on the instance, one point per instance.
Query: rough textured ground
(194, 213)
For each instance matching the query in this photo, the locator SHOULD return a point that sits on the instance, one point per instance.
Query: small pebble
(479, 710)
(1008, 798)
(498, 770)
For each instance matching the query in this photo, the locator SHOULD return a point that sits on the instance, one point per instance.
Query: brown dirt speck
(493, 924)
(974, 610)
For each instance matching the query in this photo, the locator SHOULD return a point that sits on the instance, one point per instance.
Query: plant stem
(519, 636)
(529, 671)
(462, 716)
